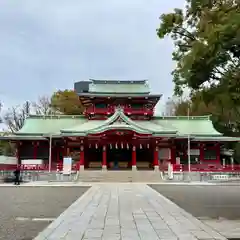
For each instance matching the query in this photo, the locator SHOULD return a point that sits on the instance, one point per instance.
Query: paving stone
(128, 211)
(93, 233)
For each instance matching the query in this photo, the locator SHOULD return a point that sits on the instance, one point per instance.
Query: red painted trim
(125, 132)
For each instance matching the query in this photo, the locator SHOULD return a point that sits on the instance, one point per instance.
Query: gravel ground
(205, 202)
(32, 202)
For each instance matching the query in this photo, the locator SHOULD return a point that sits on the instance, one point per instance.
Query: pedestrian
(17, 176)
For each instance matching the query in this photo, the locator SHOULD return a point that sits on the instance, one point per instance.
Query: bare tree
(0, 112)
(42, 106)
(15, 116)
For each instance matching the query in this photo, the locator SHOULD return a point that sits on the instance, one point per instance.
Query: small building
(118, 130)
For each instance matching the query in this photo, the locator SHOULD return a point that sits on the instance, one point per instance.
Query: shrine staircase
(149, 176)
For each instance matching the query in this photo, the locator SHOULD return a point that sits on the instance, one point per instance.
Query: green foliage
(207, 51)
(66, 102)
(6, 148)
(207, 40)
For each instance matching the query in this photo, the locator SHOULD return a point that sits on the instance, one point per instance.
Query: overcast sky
(46, 45)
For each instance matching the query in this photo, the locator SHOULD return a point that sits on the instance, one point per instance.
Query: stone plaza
(126, 211)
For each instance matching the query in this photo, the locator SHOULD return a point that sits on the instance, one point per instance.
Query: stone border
(56, 223)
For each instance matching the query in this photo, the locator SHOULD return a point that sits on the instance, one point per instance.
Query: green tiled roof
(200, 127)
(40, 125)
(116, 87)
(219, 138)
(95, 126)
(84, 127)
(22, 137)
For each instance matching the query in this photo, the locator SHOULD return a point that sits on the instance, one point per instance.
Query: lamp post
(50, 148)
(50, 154)
(189, 147)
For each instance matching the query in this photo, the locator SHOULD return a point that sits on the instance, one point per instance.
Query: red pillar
(104, 157)
(81, 165)
(173, 155)
(134, 157)
(201, 154)
(218, 150)
(35, 148)
(155, 158)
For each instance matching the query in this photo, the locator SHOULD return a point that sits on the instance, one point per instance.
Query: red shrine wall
(208, 153)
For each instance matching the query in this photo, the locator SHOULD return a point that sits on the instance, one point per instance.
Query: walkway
(127, 212)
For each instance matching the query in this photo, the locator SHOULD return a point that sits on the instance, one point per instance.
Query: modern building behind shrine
(118, 130)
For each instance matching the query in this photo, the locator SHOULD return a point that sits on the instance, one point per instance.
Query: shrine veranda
(118, 130)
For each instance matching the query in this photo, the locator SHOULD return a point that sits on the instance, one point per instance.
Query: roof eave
(133, 95)
(16, 137)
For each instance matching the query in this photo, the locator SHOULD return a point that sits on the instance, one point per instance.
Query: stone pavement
(127, 212)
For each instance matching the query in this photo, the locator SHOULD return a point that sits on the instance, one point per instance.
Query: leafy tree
(7, 148)
(66, 102)
(207, 51)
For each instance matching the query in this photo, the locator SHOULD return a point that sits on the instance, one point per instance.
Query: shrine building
(118, 130)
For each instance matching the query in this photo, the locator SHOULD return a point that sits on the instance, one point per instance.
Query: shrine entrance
(119, 159)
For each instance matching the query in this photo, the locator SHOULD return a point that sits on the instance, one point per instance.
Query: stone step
(119, 176)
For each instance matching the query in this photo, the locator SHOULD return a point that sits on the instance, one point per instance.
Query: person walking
(17, 176)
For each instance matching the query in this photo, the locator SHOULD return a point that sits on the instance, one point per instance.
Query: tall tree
(66, 102)
(207, 39)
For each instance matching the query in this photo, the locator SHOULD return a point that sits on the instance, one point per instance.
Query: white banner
(67, 165)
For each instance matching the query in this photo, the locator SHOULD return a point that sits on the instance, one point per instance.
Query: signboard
(32, 162)
(194, 152)
(67, 165)
(164, 153)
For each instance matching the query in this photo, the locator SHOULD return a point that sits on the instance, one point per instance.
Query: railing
(35, 167)
(138, 111)
(206, 168)
(127, 111)
(93, 110)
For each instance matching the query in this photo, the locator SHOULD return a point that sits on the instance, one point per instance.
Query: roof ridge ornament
(119, 109)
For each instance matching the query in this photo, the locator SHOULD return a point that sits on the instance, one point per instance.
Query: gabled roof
(200, 128)
(118, 121)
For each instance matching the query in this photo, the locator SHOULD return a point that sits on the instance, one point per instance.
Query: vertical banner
(67, 165)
